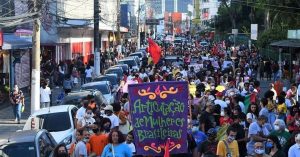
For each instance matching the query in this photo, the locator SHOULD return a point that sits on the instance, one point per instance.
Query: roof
(114, 68)
(95, 83)
(11, 41)
(52, 109)
(286, 43)
(23, 136)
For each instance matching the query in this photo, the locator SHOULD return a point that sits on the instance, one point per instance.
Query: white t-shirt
(131, 146)
(45, 94)
(241, 104)
(85, 121)
(114, 120)
(251, 116)
(80, 113)
(88, 72)
(222, 103)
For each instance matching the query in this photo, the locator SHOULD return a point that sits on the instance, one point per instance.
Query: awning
(286, 43)
(82, 23)
(11, 41)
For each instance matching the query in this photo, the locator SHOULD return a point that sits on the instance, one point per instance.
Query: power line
(258, 7)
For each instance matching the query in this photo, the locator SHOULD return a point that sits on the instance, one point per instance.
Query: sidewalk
(6, 113)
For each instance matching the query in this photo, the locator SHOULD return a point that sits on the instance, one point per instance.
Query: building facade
(209, 9)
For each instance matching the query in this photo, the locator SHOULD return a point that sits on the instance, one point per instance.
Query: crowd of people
(231, 115)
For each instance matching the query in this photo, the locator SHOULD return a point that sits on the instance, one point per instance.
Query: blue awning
(11, 41)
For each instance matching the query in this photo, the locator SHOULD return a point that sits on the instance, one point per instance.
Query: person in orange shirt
(98, 141)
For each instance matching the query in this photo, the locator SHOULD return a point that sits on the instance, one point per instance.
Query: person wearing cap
(113, 118)
(220, 101)
(257, 133)
(294, 150)
(209, 146)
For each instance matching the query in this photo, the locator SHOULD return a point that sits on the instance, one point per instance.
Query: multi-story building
(209, 9)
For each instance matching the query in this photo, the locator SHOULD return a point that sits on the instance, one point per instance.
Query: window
(205, 1)
(73, 113)
(53, 122)
(18, 149)
(45, 145)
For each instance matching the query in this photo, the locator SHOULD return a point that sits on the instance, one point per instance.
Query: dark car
(115, 70)
(112, 78)
(75, 97)
(33, 143)
(125, 67)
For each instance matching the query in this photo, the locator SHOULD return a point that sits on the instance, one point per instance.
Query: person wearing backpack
(229, 146)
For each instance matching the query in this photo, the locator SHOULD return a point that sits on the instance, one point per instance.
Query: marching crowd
(230, 114)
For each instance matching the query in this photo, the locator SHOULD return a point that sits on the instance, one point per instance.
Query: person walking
(45, 95)
(17, 101)
(116, 146)
(67, 85)
(88, 74)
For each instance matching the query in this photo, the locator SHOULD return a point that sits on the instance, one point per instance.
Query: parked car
(115, 70)
(125, 67)
(138, 54)
(31, 143)
(58, 120)
(75, 97)
(133, 65)
(104, 87)
(112, 78)
(136, 58)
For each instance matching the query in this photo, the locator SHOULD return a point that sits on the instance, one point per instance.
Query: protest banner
(159, 112)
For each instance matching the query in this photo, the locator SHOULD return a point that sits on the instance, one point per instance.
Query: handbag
(22, 108)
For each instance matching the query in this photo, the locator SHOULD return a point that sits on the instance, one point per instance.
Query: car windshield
(53, 121)
(136, 54)
(103, 88)
(112, 80)
(18, 149)
(114, 71)
(131, 63)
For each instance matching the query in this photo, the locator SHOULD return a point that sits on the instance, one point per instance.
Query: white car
(58, 120)
(104, 87)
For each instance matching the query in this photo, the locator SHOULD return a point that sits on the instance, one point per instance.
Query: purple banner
(159, 111)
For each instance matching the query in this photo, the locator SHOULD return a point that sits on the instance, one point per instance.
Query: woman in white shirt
(45, 95)
(252, 113)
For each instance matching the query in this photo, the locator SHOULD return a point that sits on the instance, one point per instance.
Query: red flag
(1, 38)
(154, 51)
(167, 149)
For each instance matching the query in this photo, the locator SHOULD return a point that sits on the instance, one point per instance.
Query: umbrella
(220, 88)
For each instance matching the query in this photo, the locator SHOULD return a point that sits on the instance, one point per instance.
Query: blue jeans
(17, 111)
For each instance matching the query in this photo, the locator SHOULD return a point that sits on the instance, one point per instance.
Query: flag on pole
(167, 149)
(154, 51)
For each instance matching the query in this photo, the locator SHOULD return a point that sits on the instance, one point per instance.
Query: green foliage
(271, 35)
(283, 15)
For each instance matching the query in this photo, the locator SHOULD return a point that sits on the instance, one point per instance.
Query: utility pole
(138, 26)
(96, 38)
(118, 22)
(36, 52)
